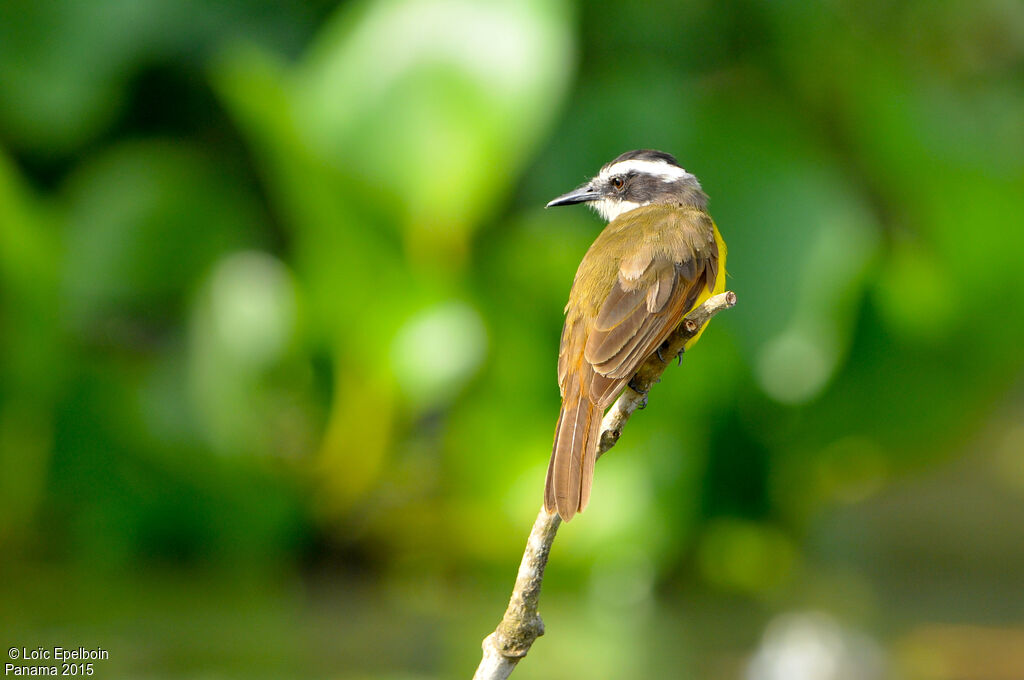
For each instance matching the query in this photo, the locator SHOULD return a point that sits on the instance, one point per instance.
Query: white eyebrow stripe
(661, 169)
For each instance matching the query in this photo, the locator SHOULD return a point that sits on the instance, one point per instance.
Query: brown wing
(655, 286)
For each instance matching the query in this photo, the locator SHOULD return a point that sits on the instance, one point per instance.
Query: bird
(659, 257)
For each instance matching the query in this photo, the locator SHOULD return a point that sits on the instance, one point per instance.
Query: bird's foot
(642, 401)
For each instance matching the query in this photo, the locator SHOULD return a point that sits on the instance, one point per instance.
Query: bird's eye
(618, 182)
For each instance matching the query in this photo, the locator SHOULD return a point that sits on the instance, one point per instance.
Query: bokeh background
(279, 310)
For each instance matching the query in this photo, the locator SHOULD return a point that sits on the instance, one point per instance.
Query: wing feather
(617, 352)
(618, 306)
(661, 292)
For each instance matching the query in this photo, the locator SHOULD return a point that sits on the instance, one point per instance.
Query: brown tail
(571, 470)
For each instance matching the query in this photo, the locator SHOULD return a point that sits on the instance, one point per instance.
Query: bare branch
(521, 625)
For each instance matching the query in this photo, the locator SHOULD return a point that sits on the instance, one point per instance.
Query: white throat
(609, 208)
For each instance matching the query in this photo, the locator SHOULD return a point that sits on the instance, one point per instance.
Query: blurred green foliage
(277, 293)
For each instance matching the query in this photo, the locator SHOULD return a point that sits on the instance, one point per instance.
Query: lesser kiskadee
(659, 257)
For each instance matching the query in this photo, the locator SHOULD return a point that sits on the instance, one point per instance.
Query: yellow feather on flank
(719, 286)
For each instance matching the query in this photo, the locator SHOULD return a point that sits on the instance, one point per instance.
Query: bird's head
(634, 179)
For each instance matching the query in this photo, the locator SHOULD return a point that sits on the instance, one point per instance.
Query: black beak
(578, 195)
